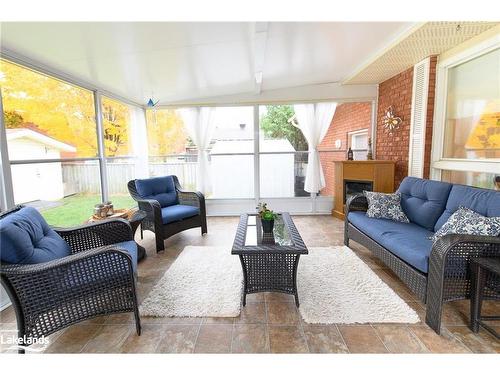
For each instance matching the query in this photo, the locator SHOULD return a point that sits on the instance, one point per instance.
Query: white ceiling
(188, 61)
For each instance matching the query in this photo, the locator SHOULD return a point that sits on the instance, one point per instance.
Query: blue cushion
(423, 201)
(26, 238)
(408, 241)
(483, 201)
(131, 248)
(161, 189)
(178, 212)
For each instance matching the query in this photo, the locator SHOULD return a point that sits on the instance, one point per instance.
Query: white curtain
(139, 140)
(199, 123)
(314, 120)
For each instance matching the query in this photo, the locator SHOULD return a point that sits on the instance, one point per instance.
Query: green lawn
(77, 209)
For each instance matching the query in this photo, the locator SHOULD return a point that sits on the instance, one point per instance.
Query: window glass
(171, 152)
(283, 153)
(46, 118)
(65, 192)
(479, 179)
(472, 128)
(116, 127)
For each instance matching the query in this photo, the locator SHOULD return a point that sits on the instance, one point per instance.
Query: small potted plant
(267, 217)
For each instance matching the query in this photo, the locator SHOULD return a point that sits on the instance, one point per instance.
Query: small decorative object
(98, 210)
(390, 120)
(109, 208)
(350, 154)
(267, 217)
(338, 143)
(369, 154)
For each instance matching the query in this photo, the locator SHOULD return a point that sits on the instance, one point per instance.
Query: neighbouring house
(36, 181)
(232, 166)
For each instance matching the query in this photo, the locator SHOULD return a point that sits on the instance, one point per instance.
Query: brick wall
(397, 92)
(348, 117)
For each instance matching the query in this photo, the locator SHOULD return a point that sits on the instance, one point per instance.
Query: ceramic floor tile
(282, 313)
(214, 338)
(177, 338)
(287, 339)
(250, 338)
(362, 339)
(399, 339)
(324, 339)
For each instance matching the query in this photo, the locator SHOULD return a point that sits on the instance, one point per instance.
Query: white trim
(100, 146)
(355, 132)
(417, 155)
(38, 137)
(378, 54)
(6, 189)
(438, 161)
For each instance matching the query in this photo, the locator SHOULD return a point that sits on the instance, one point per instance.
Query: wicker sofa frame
(153, 220)
(449, 269)
(50, 296)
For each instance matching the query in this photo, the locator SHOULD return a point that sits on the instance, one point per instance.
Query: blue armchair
(169, 208)
(56, 278)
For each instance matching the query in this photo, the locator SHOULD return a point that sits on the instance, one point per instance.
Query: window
(231, 153)
(46, 118)
(358, 141)
(472, 127)
(283, 153)
(170, 150)
(52, 122)
(466, 145)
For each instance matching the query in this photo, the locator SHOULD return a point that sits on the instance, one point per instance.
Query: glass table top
(255, 235)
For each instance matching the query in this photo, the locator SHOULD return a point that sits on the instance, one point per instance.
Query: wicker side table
(485, 279)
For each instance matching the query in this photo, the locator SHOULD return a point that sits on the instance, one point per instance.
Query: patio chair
(169, 208)
(56, 278)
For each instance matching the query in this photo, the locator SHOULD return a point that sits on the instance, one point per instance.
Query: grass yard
(77, 209)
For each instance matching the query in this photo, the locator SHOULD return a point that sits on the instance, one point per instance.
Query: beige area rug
(335, 286)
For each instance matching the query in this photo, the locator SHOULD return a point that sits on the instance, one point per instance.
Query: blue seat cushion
(178, 212)
(423, 201)
(161, 189)
(131, 248)
(408, 241)
(483, 201)
(26, 238)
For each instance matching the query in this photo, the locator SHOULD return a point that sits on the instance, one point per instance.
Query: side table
(135, 220)
(485, 279)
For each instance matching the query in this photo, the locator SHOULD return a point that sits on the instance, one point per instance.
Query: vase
(267, 226)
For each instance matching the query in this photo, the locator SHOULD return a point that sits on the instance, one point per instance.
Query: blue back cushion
(26, 238)
(161, 189)
(483, 201)
(424, 201)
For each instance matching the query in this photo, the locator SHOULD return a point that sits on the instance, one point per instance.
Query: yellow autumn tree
(166, 133)
(62, 111)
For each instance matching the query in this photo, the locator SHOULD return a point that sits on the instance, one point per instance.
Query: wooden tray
(120, 213)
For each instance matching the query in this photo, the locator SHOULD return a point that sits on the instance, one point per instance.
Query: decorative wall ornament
(390, 120)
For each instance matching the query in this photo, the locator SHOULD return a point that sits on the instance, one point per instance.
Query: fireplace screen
(352, 187)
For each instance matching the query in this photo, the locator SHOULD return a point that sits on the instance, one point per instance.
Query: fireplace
(352, 187)
(354, 176)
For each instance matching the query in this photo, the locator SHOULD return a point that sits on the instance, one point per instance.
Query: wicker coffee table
(269, 261)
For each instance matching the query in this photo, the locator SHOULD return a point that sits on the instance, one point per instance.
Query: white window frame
(440, 163)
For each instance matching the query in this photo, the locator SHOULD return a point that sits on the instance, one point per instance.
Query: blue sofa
(168, 207)
(436, 272)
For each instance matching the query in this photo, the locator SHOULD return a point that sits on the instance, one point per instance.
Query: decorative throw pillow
(466, 221)
(385, 206)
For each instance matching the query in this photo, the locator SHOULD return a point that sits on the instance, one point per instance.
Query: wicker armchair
(96, 279)
(448, 278)
(153, 209)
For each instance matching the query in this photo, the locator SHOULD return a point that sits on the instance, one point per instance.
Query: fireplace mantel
(380, 173)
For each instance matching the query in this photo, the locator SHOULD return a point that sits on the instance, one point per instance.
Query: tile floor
(270, 323)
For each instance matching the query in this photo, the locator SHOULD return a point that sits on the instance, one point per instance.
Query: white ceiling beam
(259, 53)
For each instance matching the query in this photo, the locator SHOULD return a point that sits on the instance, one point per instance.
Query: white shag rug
(335, 286)
(203, 281)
